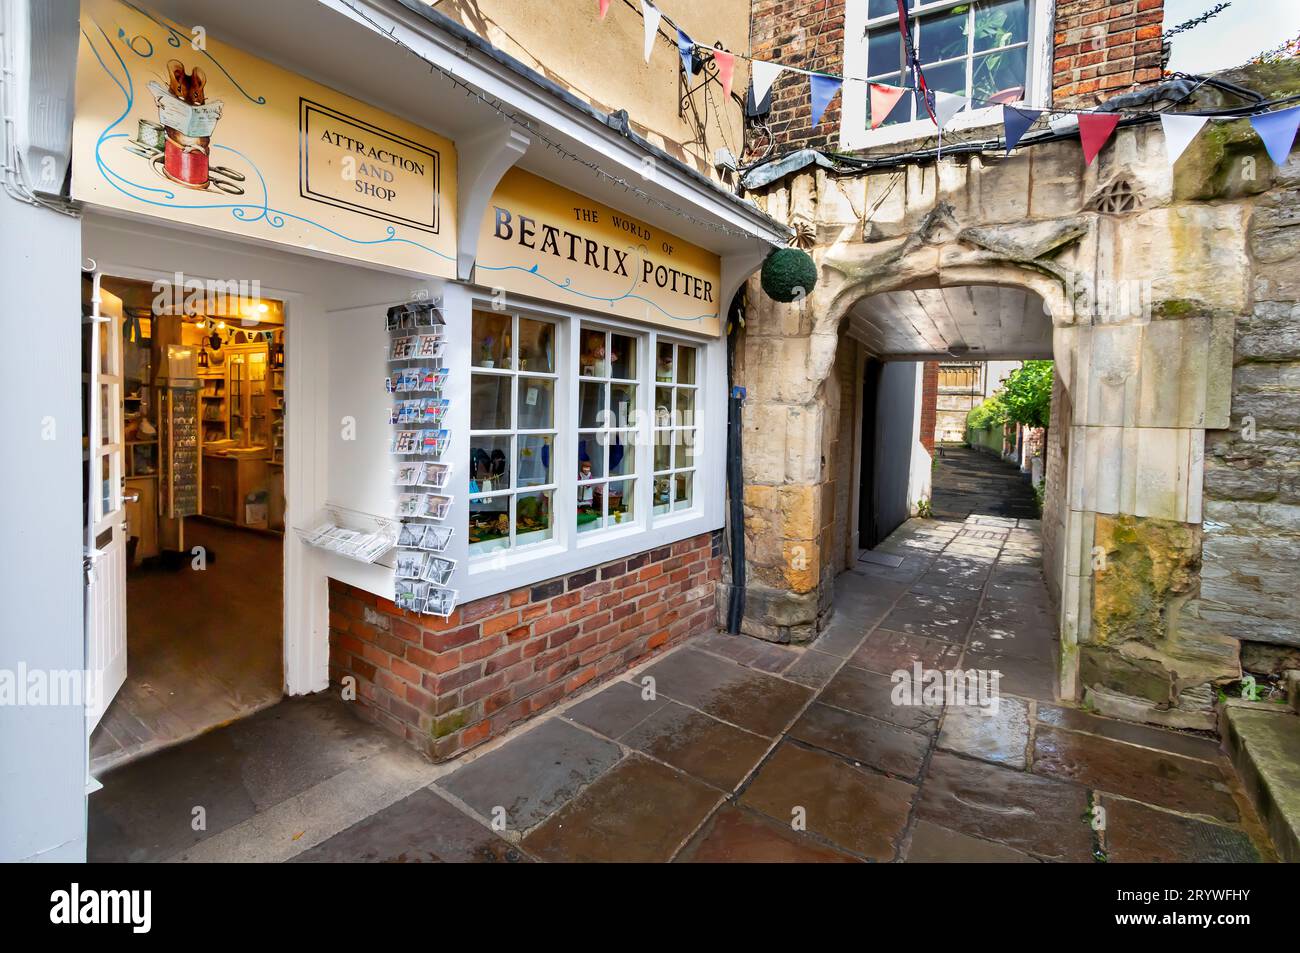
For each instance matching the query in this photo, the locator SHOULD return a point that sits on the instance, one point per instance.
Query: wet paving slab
(733, 749)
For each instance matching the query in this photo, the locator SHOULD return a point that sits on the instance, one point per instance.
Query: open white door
(105, 509)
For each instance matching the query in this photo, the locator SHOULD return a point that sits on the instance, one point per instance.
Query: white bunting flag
(650, 13)
(947, 105)
(763, 74)
(1179, 133)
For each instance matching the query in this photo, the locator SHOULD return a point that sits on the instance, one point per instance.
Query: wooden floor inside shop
(204, 648)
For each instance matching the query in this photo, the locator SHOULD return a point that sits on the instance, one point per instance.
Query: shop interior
(205, 542)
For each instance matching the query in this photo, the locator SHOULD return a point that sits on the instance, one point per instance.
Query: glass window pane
(884, 51)
(664, 362)
(591, 354)
(536, 403)
(489, 524)
(622, 405)
(664, 450)
(622, 454)
(1001, 23)
(489, 464)
(663, 406)
(902, 111)
(620, 502)
(535, 460)
(591, 404)
(590, 509)
(1001, 74)
(882, 8)
(661, 494)
(684, 448)
(536, 346)
(623, 356)
(491, 339)
(591, 456)
(942, 36)
(489, 402)
(685, 409)
(949, 78)
(685, 364)
(682, 483)
(533, 517)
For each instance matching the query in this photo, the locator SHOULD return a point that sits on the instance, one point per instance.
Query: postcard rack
(363, 537)
(417, 376)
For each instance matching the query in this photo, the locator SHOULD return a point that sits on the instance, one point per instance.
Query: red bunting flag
(883, 100)
(603, 5)
(726, 69)
(1095, 130)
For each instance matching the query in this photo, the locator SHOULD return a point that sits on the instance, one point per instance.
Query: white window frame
(854, 131)
(514, 433)
(635, 419)
(676, 426)
(569, 551)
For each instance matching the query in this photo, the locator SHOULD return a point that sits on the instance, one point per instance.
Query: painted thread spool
(186, 163)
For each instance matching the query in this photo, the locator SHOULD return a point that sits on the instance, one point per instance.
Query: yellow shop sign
(204, 134)
(541, 240)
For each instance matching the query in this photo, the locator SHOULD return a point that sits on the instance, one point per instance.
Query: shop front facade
(435, 340)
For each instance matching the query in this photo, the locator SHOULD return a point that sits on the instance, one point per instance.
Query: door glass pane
(685, 364)
(105, 485)
(623, 356)
(491, 339)
(591, 456)
(534, 466)
(533, 517)
(620, 506)
(942, 36)
(489, 464)
(489, 402)
(105, 414)
(591, 404)
(664, 362)
(536, 403)
(1001, 23)
(489, 523)
(536, 346)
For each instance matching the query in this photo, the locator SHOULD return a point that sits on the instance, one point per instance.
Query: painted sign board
(191, 131)
(545, 241)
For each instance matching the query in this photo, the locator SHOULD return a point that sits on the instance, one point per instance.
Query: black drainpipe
(735, 472)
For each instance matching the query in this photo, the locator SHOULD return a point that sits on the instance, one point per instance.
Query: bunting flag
(650, 14)
(947, 105)
(726, 69)
(1277, 129)
(1179, 133)
(883, 100)
(822, 88)
(686, 47)
(1095, 130)
(763, 74)
(1016, 122)
(603, 7)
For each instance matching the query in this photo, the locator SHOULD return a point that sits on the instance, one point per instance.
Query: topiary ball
(788, 274)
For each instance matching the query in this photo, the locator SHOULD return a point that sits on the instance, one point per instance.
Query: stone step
(1264, 742)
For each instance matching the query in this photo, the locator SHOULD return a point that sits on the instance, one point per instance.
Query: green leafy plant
(1027, 394)
(924, 509)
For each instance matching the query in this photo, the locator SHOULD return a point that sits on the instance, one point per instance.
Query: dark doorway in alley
(185, 405)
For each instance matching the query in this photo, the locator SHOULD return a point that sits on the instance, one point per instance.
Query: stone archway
(1142, 302)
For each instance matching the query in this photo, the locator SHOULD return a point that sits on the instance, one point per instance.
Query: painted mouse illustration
(187, 87)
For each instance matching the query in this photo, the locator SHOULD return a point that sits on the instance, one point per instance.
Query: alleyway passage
(744, 751)
(967, 481)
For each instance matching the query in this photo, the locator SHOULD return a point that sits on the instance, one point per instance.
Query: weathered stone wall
(1151, 309)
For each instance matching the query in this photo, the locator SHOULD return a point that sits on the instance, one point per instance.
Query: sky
(1234, 36)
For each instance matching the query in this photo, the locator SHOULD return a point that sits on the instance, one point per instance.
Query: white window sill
(854, 135)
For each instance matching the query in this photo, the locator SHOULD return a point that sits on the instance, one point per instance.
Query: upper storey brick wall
(1100, 48)
(1103, 47)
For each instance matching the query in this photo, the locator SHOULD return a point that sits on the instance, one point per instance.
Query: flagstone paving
(730, 749)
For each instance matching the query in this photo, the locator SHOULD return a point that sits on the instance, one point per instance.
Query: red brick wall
(1101, 47)
(448, 686)
(1104, 46)
(929, 404)
(808, 34)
